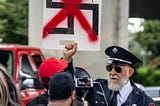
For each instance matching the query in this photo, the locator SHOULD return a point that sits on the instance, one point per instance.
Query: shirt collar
(125, 91)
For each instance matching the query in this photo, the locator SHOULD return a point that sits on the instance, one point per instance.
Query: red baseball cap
(51, 66)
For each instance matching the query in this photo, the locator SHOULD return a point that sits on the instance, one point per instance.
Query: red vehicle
(23, 62)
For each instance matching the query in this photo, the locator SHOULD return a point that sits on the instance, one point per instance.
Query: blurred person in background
(9, 95)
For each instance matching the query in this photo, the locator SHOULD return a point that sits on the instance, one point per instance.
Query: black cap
(119, 55)
(61, 86)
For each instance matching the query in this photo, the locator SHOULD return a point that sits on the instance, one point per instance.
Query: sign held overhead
(72, 20)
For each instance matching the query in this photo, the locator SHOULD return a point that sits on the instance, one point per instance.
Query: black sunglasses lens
(118, 69)
(109, 68)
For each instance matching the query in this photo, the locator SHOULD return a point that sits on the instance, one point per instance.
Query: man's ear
(131, 72)
(73, 96)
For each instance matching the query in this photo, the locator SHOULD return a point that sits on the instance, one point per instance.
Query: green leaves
(149, 39)
(148, 42)
(14, 21)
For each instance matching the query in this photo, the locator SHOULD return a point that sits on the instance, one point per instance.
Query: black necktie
(114, 98)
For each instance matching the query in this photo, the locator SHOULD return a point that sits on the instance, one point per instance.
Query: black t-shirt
(41, 100)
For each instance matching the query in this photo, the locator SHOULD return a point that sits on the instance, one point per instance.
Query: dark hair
(80, 72)
(45, 82)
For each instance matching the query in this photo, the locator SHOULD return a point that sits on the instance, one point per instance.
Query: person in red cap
(50, 67)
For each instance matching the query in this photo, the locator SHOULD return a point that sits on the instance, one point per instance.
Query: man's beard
(118, 85)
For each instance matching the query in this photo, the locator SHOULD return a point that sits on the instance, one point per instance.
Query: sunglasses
(116, 68)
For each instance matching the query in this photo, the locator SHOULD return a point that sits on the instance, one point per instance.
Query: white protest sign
(72, 20)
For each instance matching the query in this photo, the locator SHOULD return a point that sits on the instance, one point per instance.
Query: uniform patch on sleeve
(152, 104)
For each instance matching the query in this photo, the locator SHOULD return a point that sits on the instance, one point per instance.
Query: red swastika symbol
(71, 8)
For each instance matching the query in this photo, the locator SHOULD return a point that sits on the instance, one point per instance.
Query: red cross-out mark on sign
(71, 8)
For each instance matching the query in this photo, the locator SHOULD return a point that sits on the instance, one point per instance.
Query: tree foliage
(14, 21)
(148, 41)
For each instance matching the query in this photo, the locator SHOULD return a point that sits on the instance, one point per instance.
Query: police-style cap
(61, 86)
(119, 55)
